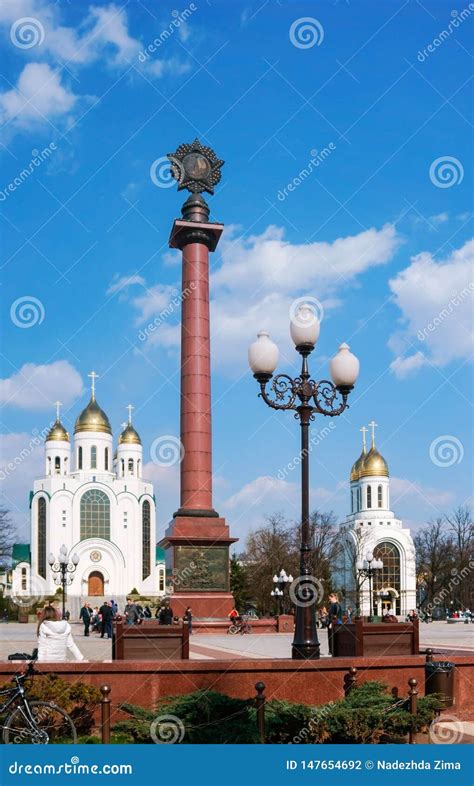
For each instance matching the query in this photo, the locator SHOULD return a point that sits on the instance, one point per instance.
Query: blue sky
(346, 129)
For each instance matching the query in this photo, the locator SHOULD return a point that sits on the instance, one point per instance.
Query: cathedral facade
(372, 528)
(95, 502)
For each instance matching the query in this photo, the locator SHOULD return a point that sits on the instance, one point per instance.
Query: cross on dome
(373, 425)
(364, 432)
(130, 407)
(93, 377)
(58, 405)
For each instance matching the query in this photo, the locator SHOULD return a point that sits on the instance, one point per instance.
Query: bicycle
(240, 626)
(33, 722)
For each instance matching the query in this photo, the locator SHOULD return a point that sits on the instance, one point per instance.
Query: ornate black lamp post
(306, 397)
(280, 581)
(366, 569)
(63, 571)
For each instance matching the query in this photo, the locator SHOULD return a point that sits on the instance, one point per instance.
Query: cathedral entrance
(95, 583)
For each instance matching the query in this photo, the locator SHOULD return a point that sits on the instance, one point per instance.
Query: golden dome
(357, 466)
(374, 464)
(129, 436)
(57, 432)
(92, 418)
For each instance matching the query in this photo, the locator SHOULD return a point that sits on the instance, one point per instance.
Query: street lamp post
(281, 580)
(366, 569)
(307, 398)
(63, 571)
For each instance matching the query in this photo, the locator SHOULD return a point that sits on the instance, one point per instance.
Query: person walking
(107, 615)
(349, 614)
(188, 617)
(334, 617)
(55, 639)
(85, 615)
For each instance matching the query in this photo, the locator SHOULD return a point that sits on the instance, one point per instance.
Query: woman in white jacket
(55, 638)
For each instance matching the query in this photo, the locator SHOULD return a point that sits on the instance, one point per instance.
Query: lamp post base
(305, 651)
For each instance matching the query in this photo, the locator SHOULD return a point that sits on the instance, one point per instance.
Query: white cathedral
(95, 503)
(372, 529)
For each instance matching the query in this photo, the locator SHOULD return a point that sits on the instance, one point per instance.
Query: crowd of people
(100, 619)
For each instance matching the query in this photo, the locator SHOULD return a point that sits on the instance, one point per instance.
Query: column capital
(185, 232)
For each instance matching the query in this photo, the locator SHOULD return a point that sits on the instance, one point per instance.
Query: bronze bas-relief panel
(201, 568)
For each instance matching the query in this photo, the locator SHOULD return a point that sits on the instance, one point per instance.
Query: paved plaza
(443, 638)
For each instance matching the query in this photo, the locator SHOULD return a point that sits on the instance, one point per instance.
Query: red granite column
(196, 466)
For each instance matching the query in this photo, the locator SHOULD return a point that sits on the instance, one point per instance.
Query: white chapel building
(372, 528)
(95, 502)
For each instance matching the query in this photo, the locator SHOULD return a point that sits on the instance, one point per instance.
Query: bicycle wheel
(51, 725)
(232, 629)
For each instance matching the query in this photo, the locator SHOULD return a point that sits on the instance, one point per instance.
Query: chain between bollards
(105, 714)
(413, 702)
(260, 700)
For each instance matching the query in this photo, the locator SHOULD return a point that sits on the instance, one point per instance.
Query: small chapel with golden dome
(372, 530)
(95, 502)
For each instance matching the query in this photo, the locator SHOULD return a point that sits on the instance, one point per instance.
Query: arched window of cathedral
(95, 515)
(162, 581)
(369, 496)
(359, 499)
(24, 584)
(389, 577)
(130, 466)
(379, 497)
(122, 462)
(146, 540)
(106, 459)
(57, 465)
(49, 465)
(139, 469)
(42, 537)
(93, 457)
(79, 458)
(65, 466)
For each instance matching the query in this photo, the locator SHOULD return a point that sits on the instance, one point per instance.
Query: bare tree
(267, 550)
(461, 527)
(434, 559)
(7, 537)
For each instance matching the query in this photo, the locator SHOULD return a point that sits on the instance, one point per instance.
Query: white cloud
(123, 282)
(36, 387)
(39, 95)
(403, 490)
(439, 218)
(403, 366)
(21, 461)
(435, 299)
(258, 280)
(101, 36)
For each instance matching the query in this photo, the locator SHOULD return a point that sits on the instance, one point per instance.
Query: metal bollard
(429, 655)
(350, 680)
(105, 714)
(413, 700)
(260, 705)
